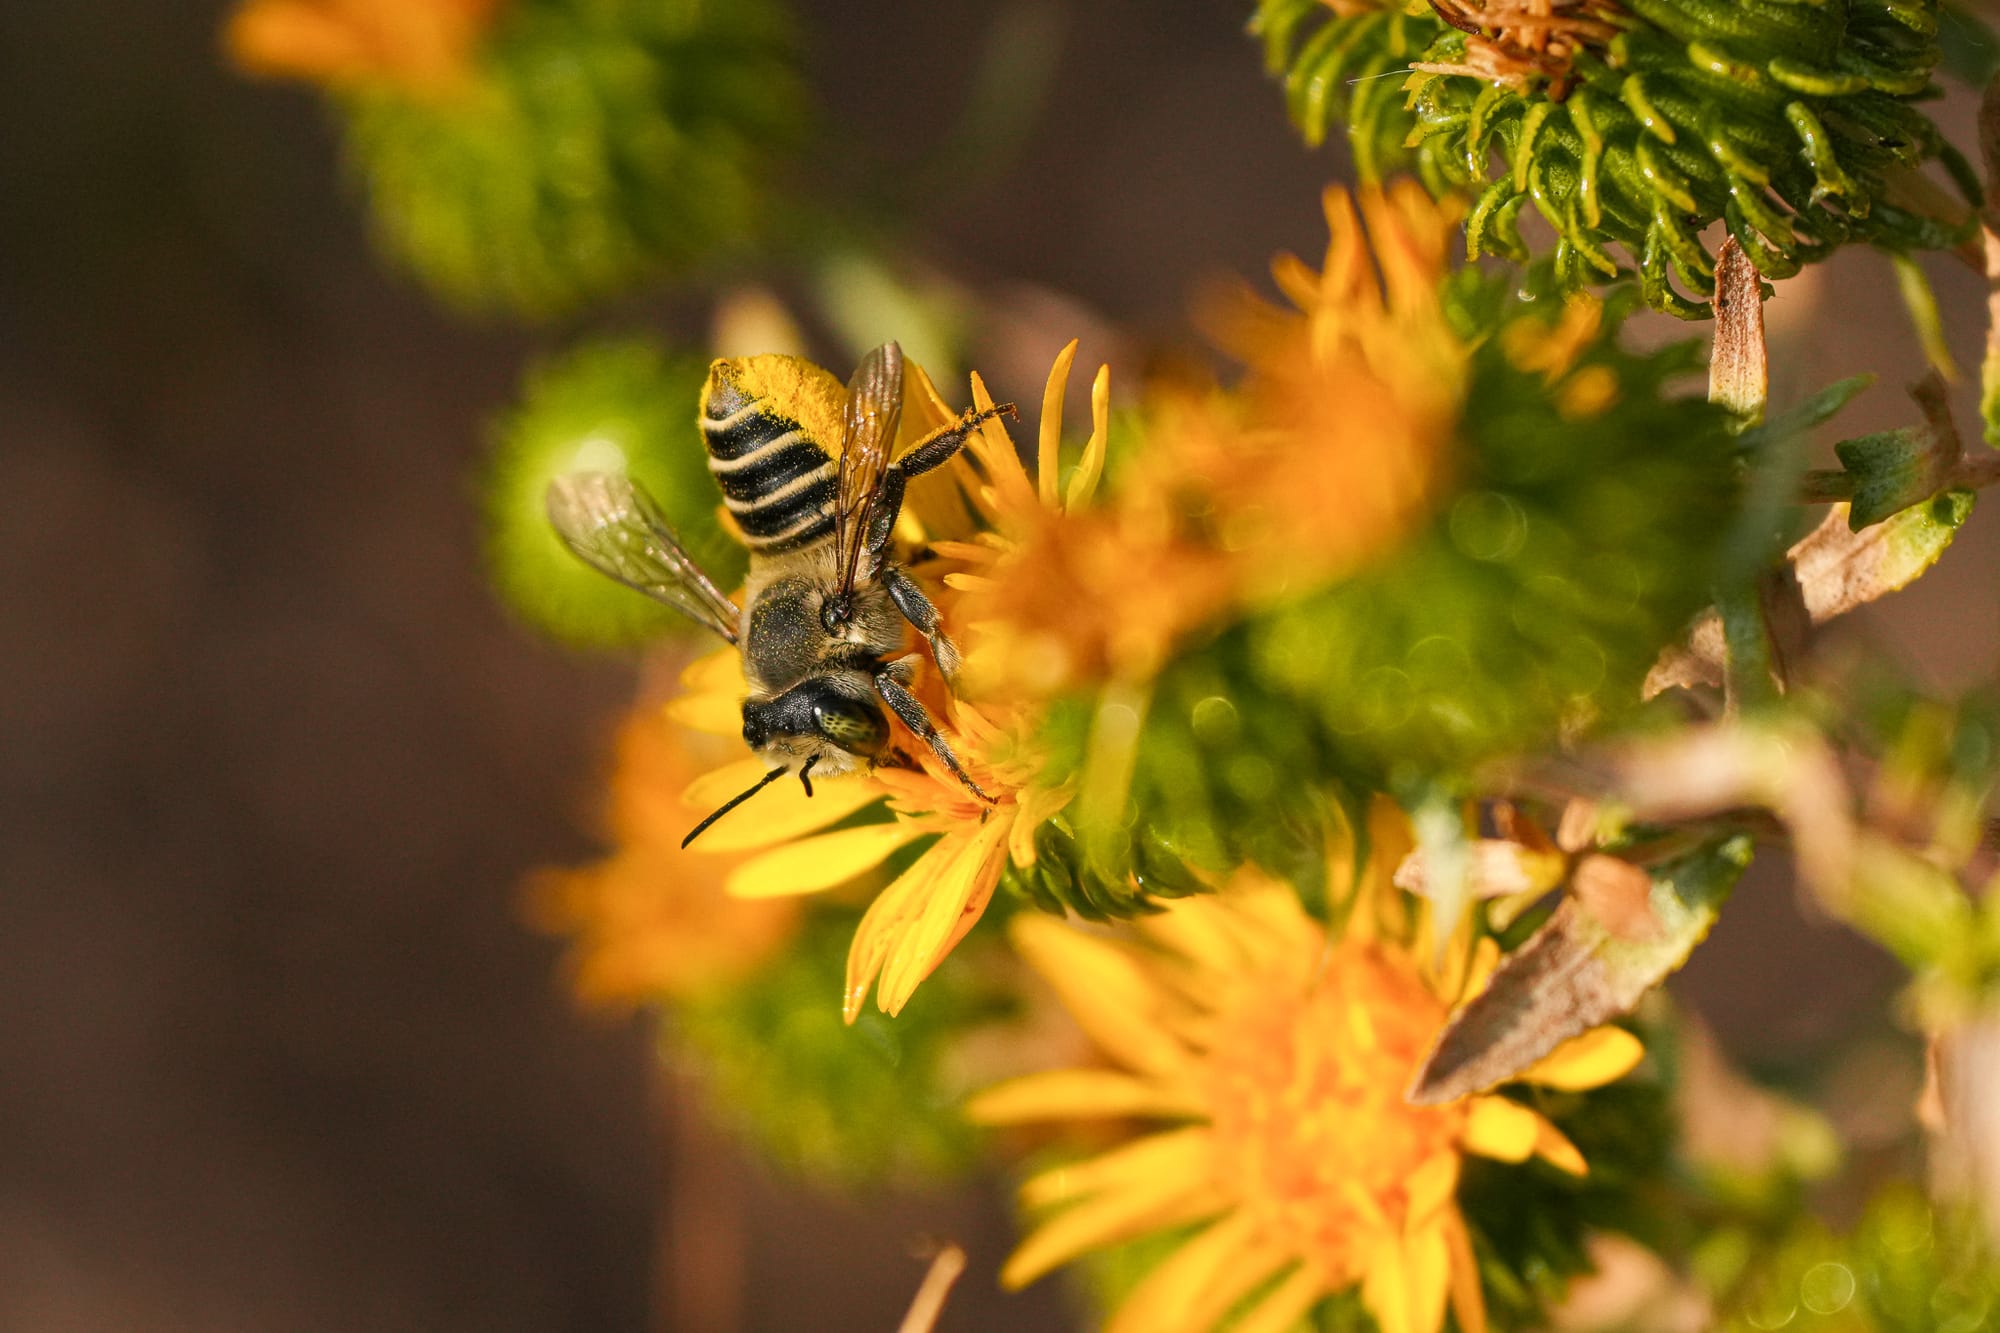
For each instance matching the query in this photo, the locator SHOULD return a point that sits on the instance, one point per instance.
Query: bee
(826, 614)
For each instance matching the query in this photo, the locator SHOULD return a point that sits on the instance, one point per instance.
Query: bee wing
(614, 526)
(874, 408)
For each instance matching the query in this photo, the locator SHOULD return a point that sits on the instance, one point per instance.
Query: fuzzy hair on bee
(806, 474)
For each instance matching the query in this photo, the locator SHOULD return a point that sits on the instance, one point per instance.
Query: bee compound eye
(854, 727)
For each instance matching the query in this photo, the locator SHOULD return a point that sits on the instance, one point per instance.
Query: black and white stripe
(778, 484)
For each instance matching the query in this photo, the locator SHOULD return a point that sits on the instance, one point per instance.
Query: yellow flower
(421, 45)
(1277, 1057)
(967, 517)
(1328, 452)
(652, 920)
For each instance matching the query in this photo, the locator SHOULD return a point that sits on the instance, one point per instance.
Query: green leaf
(1915, 538)
(1892, 470)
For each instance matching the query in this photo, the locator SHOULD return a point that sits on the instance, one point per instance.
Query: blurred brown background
(276, 1052)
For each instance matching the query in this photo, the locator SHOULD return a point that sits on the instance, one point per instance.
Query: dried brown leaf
(1739, 368)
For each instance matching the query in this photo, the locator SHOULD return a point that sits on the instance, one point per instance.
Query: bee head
(814, 715)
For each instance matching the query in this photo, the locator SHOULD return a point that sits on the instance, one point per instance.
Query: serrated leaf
(1576, 973)
(1892, 470)
(1822, 407)
(1840, 569)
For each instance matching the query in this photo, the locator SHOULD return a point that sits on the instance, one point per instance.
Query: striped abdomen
(777, 483)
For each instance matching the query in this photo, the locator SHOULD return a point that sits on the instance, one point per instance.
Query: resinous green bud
(624, 406)
(1632, 125)
(593, 147)
(841, 1106)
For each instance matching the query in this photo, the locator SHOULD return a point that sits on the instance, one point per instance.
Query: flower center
(1311, 1130)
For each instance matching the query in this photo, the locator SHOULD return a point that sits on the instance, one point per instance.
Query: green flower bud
(595, 145)
(606, 407)
(1637, 123)
(843, 1106)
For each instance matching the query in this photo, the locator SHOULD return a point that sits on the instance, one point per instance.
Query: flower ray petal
(1502, 1130)
(1110, 996)
(960, 887)
(779, 813)
(1195, 1285)
(1107, 1221)
(1602, 1055)
(813, 865)
(1182, 1154)
(1285, 1304)
(1075, 1094)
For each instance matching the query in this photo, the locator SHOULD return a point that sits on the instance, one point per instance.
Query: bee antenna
(733, 802)
(805, 775)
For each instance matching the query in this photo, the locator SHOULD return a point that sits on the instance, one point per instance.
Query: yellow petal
(1503, 1130)
(1467, 969)
(1431, 1187)
(1468, 1299)
(1589, 1061)
(815, 864)
(1195, 1285)
(1109, 995)
(1095, 1223)
(995, 449)
(1083, 483)
(777, 814)
(1285, 1304)
(1407, 1281)
(1072, 1094)
(719, 672)
(1555, 1149)
(1187, 1155)
(1205, 933)
(1037, 805)
(715, 714)
(1047, 458)
(1479, 970)
(963, 883)
(1428, 1263)
(881, 925)
(966, 553)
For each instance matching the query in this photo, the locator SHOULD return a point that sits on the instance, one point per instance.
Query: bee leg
(917, 609)
(909, 708)
(928, 454)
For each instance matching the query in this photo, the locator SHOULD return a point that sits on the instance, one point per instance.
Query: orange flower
(423, 46)
(1277, 1056)
(1328, 452)
(652, 920)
